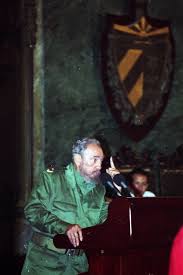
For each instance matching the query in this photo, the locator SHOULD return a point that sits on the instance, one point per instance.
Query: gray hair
(81, 144)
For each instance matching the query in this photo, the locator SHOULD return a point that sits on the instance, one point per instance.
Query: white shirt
(147, 194)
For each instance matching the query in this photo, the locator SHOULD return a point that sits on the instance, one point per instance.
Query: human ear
(77, 160)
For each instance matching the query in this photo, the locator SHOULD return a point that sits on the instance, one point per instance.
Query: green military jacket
(60, 199)
(64, 198)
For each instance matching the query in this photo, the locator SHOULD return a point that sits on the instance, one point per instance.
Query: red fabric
(176, 255)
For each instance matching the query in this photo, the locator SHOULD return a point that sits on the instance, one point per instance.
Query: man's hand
(112, 170)
(74, 233)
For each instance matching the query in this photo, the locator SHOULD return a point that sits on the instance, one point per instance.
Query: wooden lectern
(134, 240)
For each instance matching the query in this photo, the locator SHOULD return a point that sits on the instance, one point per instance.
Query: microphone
(111, 190)
(120, 181)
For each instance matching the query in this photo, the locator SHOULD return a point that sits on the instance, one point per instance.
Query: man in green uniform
(64, 202)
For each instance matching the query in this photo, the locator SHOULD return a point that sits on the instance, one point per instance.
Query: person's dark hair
(137, 171)
(81, 144)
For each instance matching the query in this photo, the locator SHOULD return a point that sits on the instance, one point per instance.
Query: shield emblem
(137, 72)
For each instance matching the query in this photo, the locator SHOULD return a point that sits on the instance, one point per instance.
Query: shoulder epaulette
(51, 168)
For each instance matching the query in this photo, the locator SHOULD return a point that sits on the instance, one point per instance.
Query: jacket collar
(75, 178)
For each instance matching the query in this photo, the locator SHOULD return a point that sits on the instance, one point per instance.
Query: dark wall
(75, 103)
(9, 105)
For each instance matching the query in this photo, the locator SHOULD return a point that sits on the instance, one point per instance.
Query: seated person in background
(138, 182)
(64, 202)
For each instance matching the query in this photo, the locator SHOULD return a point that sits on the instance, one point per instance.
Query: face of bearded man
(91, 162)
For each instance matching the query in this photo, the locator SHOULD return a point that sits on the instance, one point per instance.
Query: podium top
(132, 222)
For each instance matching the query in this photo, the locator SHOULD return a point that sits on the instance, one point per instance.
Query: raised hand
(112, 170)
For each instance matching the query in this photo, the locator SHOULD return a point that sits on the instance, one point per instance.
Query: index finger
(112, 163)
(80, 235)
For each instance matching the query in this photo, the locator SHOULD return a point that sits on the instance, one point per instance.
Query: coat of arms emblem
(137, 71)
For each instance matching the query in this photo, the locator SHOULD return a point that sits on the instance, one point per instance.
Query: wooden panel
(154, 223)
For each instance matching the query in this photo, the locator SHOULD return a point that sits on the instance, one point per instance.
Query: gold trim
(137, 91)
(143, 28)
(128, 62)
